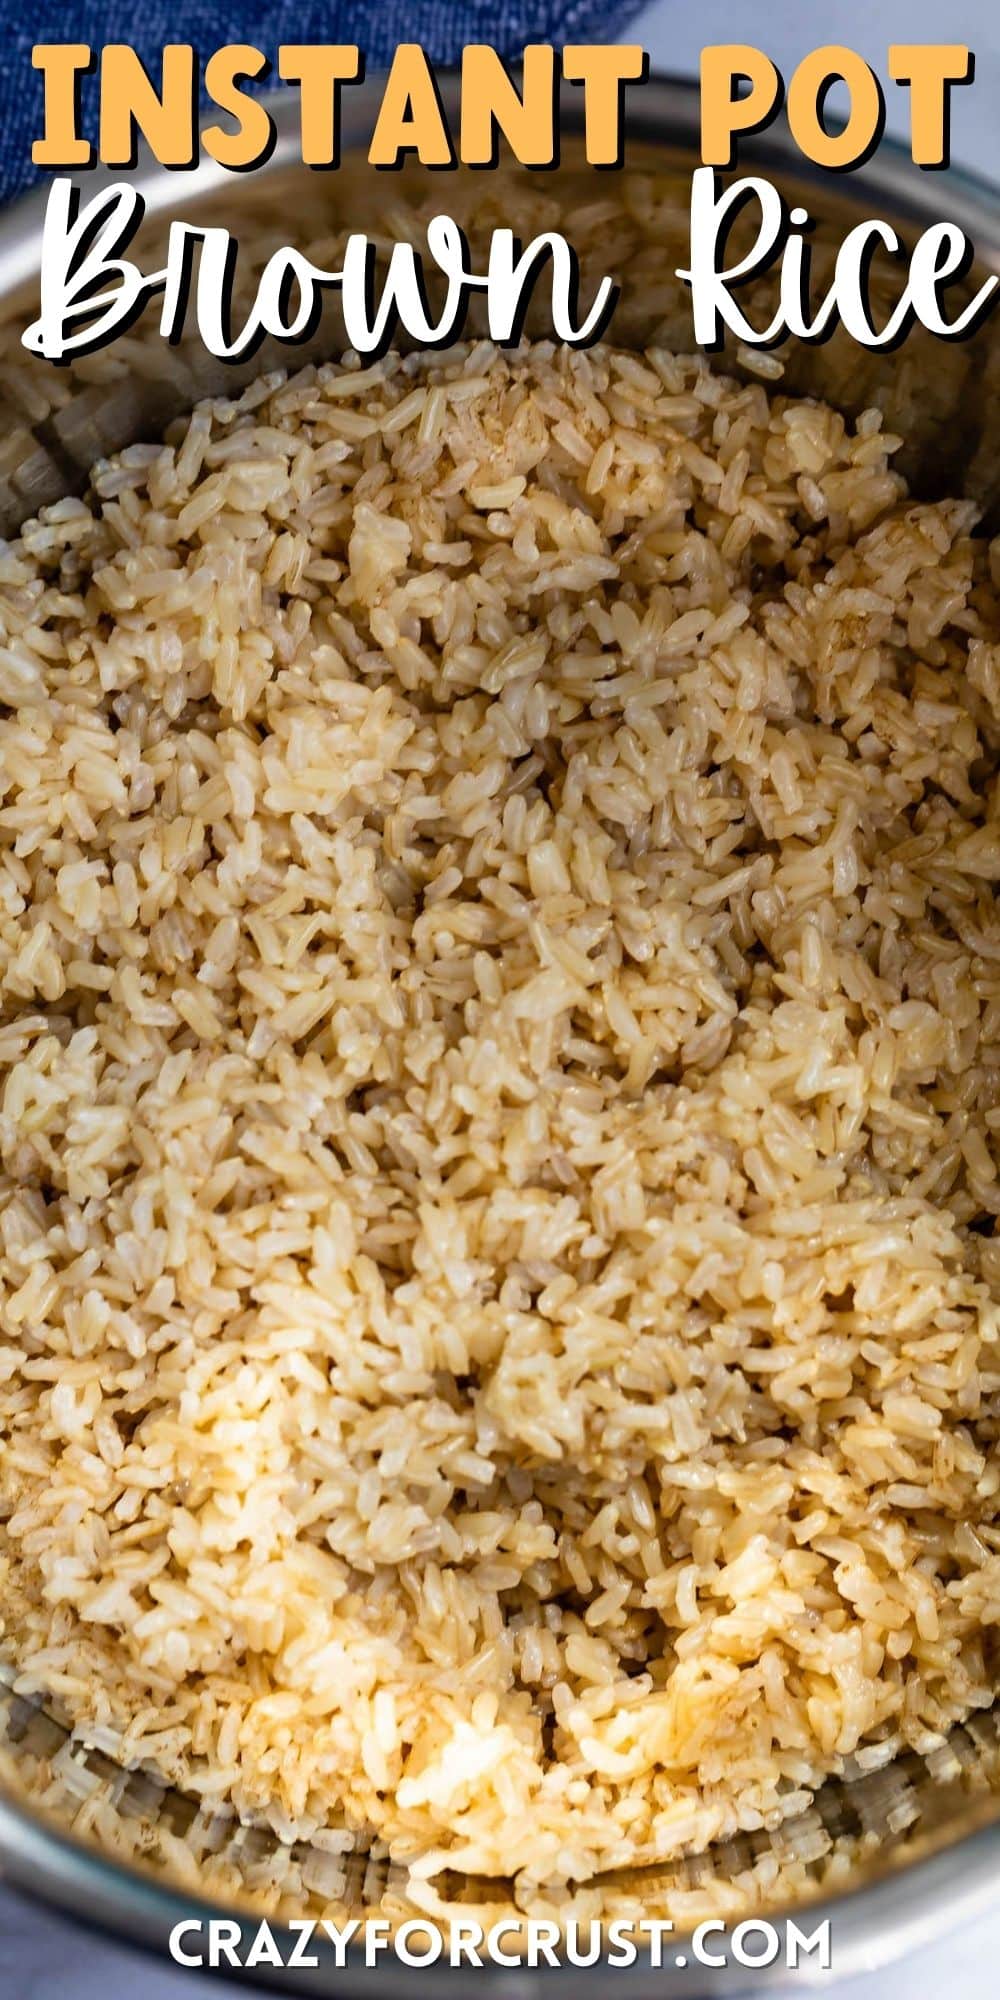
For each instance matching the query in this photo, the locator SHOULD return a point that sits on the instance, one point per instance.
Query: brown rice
(500, 1063)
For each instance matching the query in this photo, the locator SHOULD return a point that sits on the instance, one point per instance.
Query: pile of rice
(500, 1117)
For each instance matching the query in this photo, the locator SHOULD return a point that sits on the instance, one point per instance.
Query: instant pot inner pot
(56, 420)
(944, 399)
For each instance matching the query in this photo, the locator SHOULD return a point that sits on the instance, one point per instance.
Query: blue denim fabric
(440, 26)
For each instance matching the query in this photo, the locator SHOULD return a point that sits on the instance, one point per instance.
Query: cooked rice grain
(500, 1113)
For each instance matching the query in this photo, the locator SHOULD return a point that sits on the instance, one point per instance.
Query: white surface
(43, 1958)
(675, 31)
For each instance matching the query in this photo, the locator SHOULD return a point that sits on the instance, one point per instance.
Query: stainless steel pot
(911, 1849)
